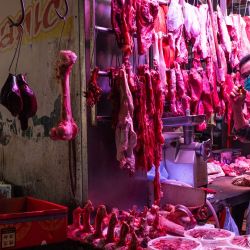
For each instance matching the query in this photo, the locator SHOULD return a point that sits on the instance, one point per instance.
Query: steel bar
(104, 29)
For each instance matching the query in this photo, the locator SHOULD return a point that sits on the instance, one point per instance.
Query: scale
(185, 159)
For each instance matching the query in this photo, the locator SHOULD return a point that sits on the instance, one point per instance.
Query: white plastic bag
(230, 224)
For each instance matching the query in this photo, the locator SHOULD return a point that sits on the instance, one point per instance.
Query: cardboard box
(27, 222)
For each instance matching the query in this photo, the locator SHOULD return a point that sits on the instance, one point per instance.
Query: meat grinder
(183, 158)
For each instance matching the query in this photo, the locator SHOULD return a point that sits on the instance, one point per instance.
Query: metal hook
(66, 11)
(21, 19)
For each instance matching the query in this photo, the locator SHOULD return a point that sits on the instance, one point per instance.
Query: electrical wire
(17, 49)
(60, 39)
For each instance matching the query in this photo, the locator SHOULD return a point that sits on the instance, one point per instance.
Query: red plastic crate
(27, 222)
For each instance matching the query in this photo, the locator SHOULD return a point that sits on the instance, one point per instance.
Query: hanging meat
(175, 24)
(159, 61)
(125, 136)
(247, 21)
(223, 33)
(93, 92)
(234, 36)
(66, 129)
(144, 149)
(123, 22)
(171, 97)
(29, 101)
(211, 75)
(203, 44)
(11, 97)
(196, 88)
(158, 127)
(191, 21)
(160, 22)
(183, 100)
(206, 96)
(146, 14)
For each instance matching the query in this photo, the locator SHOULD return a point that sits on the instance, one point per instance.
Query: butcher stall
(117, 124)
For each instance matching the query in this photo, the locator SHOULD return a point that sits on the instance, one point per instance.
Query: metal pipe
(104, 29)
(188, 134)
(92, 49)
(103, 73)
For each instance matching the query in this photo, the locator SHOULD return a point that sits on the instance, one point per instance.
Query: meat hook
(21, 19)
(66, 11)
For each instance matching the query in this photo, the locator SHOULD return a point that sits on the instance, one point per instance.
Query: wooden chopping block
(187, 196)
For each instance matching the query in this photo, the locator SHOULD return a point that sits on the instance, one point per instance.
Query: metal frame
(82, 163)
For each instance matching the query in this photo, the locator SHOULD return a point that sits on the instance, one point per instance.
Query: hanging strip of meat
(175, 22)
(223, 33)
(196, 87)
(144, 119)
(203, 45)
(158, 127)
(234, 36)
(206, 96)
(211, 75)
(183, 99)
(160, 22)
(123, 23)
(247, 21)
(125, 135)
(171, 97)
(191, 21)
(146, 14)
(93, 92)
(140, 111)
(159, 60)
(226, 90)
(66, 128)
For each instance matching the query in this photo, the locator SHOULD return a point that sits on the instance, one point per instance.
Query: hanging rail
(94, 117)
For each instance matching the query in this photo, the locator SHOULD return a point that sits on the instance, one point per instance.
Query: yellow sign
(40, 23)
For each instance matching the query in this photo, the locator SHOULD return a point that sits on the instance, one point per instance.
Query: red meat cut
(146, 14)
(93, 92)
(123, 23)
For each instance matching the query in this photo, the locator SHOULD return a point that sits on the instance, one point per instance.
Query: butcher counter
(227, 193)
(235, 197)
